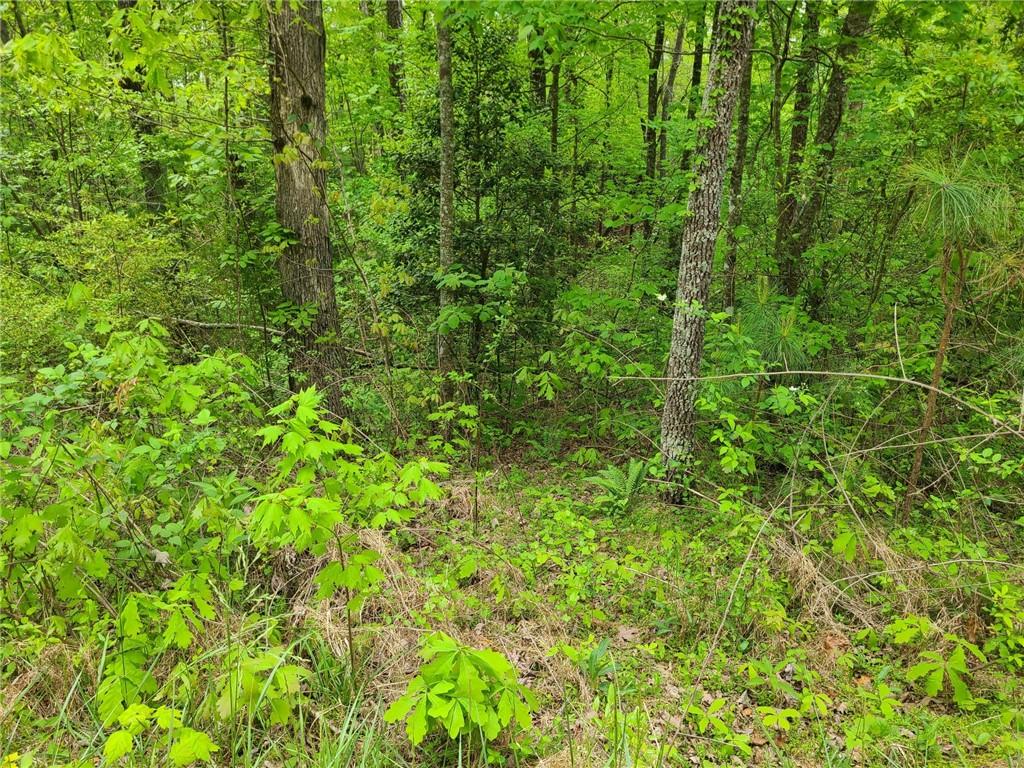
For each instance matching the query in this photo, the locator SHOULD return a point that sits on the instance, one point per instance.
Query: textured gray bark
(298, 129)
(446, 243)
(697, 252)
(736, 178)
(395, 67)
(785, 243)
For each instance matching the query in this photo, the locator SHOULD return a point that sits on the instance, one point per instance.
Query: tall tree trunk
(538, 72)
(952, 302)
(650, 129)
(855, 27)
(695, 77)
(780, 55)
(736, 178)
(696, 257)
(446, 237)
(556, 71)
(298, 128)
(785, 255)
(667, 96)
(395, 66)
(154, 178)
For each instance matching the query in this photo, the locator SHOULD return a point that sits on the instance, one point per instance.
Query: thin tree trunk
(556, 71)
(785, 255)
(18, 20)
(952, 302)
(780, 47)
(696, 258)
(695, 77)
(395, 67)
(650, 129)
(667, 96)
(154, 183)
(855, 27)
(538, 72)
(446, 249)
(298, 128)
(736, 178)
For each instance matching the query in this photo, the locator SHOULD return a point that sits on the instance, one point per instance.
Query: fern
(621, 488)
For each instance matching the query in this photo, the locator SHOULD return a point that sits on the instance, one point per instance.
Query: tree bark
(298, 128)
(952, 302)
(785, 255)
(556, 71)
(696, 258)
(695, 77)
(855, 27)
(446, 240)
(736, 178)
(395, 65)
(667, 96)
(538, 72)
(650, 129)
(154, 177)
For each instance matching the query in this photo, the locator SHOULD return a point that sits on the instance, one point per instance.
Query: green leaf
(961, 693)
(192, 746)
(416, 725)
(119, 744)
(933, 684)
(130, 623)
(455, 720)
(920, 670)
(177, 631)
(399, 709)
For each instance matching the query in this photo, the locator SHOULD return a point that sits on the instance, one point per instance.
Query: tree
(668, 94)
(696, 72)
(730, 50)
(298, 128)
(736, 180)
(538, 72)
(394, 13)
(446, 242)
(154, 181)
(650, 124)
(797, 239)
(961, 205)
(785, 255)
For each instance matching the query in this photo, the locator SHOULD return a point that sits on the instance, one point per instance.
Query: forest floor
(652, 635)
(659, 635)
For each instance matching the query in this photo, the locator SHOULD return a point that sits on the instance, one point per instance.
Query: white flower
(661, 297)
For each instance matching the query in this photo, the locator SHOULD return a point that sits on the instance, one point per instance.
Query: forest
(525, 383)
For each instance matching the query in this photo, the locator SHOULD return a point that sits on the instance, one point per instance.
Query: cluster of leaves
(462, 691)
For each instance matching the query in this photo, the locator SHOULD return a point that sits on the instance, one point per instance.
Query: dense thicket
(655, 369)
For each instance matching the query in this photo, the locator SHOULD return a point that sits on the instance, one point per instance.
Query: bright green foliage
(938, 671)
(463, 692)
(621, 486)
(201, 565)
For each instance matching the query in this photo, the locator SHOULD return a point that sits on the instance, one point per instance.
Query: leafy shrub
(462, 691)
